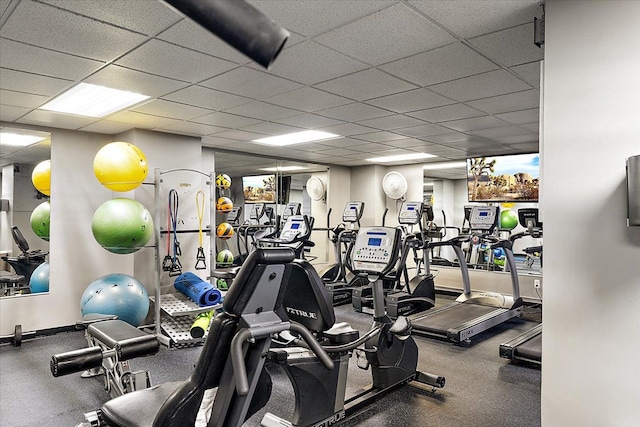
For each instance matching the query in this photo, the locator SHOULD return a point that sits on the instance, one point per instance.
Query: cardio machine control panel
(484, 218)
(292, 208)
(294, 227)
(233, 217)
(410, 213)
(375, 250)
(257, 211)
(352, 212)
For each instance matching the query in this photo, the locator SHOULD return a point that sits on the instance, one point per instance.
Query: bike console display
(484, 218)
(352, 212)
(294, 227)
(375, 250)
(410, 213)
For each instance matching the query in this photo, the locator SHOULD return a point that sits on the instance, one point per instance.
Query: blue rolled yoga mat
(203, 293)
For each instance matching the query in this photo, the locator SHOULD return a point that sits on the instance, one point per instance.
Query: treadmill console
(484, 218)
(294, 227)
(410, 213)
(292, 208)
(529, 219)
(233, 217)
(257, 211)
(352, 212)
(375, 250)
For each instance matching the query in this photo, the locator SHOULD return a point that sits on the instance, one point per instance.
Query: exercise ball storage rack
(174, 312)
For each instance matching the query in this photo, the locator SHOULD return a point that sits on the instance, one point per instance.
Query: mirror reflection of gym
(25, 211)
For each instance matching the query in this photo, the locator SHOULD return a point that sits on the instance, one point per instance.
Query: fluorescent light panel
(400, 157)
(283, 169)
(445, 165)
(19, 140)
(297, 138)
(93, 101)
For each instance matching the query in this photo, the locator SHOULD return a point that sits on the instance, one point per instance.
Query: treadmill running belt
(531, 349)
(439, 323)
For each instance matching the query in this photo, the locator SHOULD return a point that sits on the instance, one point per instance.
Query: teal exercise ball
(119, 295)
(122, 225)
(41, 219)
(39, 281)
(508, 219)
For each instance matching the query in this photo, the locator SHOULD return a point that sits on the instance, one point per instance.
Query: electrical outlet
(536, 283)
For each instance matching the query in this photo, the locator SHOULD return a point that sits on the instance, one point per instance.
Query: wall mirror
(21, 150)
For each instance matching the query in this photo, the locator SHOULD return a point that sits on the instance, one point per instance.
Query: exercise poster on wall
(514, 178)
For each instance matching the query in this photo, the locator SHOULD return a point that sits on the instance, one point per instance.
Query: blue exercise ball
(116, 294)
(39, 281)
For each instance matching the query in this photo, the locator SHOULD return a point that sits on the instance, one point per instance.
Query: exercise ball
(224, 231)
(41, 219)
(508, 219)
(119, 295)
(39, 281)
(225, 256)
(223, 181)
(224, 205)
(41, 177)
(122, 225)
(120, 166)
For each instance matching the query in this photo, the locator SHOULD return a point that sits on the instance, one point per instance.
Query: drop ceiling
(453, 78)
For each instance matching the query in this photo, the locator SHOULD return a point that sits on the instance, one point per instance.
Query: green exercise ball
(122, 225)
(508, 219)
(40, 220)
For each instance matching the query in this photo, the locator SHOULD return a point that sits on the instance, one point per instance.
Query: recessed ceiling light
(93, 101)
(400, 157)
(297, 138)
(19, 140)
(445, 165)
(283, 169)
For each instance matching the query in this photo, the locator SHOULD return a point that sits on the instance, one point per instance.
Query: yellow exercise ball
(41, 177)
(120, 166)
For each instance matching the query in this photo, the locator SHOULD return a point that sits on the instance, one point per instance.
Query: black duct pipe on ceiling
(239, 24)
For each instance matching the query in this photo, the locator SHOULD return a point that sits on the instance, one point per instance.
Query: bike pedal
(361, 359)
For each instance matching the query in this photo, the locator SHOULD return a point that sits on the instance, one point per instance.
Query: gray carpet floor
(481, 389)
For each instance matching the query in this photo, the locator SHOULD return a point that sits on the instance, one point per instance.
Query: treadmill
(473, 312)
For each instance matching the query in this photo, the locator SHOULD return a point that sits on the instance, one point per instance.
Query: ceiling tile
(267, 128)
(309, 121)
(354, 112)
(310, 18)
(206, 98)
(170, 109)
(10, 113)
(365, 84)
(21, 99)
(67, 32)
(392, 33)
(510, 47)
(336, 151)
(379, 136)
(31, 59)
(117, 77)
(191, 128)
(262, 110)
(505, 103)
(167, 60)
(300, 63)
(188, 34)
(521, 117)
(497, 132)
(469, 18)
(423, 130)
(370, 147)
(396, 121)
(31, 83)
(240, 135)
(225, 120)
(443, 64)
(147, 17)
(531, 127)
(339, 142)
(529, 72)
(527, 147)
(49, 118)
(517, 139)
(347, 129)
(107, 127)
(474, 123)
(142, 120)
(252, 83)
(449, 138)
(493, 83)
(408, 143)
(411, 100)
(448, 112)
(308, 99)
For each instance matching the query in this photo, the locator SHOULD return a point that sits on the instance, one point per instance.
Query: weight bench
(112, 343)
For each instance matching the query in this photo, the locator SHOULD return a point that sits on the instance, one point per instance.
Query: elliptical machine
(389, 350)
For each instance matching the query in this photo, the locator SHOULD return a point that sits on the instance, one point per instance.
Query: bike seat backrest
(306, 300)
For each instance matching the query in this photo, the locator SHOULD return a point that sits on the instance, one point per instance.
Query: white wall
(592, 274)
(366, 186)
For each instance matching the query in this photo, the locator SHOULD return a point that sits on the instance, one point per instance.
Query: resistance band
(201, 262)
(166, 262)
(176, 266)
